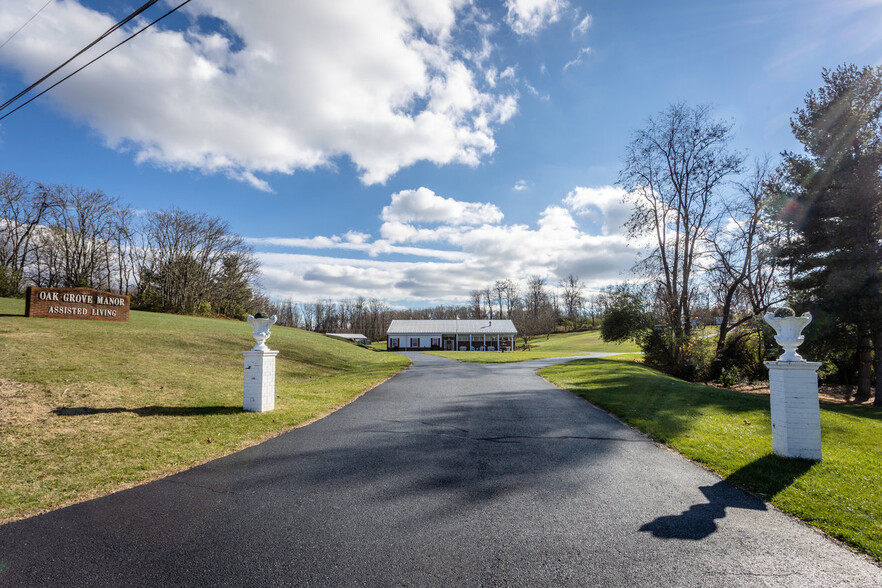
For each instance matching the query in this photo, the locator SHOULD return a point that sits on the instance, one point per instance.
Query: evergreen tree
(835, 206)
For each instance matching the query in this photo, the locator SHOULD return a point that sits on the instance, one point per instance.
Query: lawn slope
(556, 345)
(730, 433)
(580, 342)
(89, 407)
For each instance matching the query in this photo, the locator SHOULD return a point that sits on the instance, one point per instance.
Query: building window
(393, 343)
(436, 342)
(414, 341)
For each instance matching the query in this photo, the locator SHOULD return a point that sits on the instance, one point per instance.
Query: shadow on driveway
(699, 521)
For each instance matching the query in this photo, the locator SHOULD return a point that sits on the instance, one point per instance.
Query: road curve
(449, 474)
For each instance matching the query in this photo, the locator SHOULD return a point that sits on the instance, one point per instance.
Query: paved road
(447, 475)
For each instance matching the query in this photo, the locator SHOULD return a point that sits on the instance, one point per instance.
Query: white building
(451, 335)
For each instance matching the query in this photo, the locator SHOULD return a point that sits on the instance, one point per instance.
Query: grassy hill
(580, 342)
(90, 407)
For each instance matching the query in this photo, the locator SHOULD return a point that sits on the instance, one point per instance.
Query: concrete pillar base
(259, 393)
(796, 412)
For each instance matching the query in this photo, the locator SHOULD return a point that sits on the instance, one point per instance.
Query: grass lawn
(730, 433)
(89, 407)
(498, 357)
(579, 342)
(557, 345)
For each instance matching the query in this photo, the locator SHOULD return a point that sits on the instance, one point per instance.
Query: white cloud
(520, 186)
(583, 25)
(577, 60)
(424, 206)
(454, 257)
(528, 17)
(278, 87)
(605, 205)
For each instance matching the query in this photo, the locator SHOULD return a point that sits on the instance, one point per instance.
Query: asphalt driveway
(449, 474)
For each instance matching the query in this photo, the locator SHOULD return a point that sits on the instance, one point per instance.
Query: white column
(796, 413)
(259, 392)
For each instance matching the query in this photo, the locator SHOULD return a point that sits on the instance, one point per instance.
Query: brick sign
(76, 303)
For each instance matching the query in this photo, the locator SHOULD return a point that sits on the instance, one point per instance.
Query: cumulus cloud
(278, 87)
(528, 17)
(424, 206)
(520, 186)
(605, 205)
(426, 254)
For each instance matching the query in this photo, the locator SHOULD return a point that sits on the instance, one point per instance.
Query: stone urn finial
(788, 333)
(261, 325)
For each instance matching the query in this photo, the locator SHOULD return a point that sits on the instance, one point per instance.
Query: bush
(687, 359)
(739, 359)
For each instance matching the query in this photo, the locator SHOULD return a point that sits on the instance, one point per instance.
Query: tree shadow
(146, 411)
(770, 473)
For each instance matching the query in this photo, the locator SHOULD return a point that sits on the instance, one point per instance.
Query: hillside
(90, 407)
(580, 342)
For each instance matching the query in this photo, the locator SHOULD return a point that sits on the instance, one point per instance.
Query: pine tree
(835, 206)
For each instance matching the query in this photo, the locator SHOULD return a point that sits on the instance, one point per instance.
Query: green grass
(730, 433)
(579, 342)
(557, 345)
(498, 357)
(89, 407)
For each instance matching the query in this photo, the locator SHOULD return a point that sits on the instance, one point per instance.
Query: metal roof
(452, 327)
(353, 336)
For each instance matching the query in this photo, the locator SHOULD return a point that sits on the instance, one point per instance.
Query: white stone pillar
(259, 392)
(796, 411)
(793, 384)
(259, 389)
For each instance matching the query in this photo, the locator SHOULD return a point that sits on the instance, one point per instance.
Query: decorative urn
(261, 325)
(788, 333)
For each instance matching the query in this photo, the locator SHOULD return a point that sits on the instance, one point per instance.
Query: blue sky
(408, 149)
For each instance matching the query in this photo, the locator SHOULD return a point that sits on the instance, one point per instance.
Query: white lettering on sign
(108, 301)
(103, 312)
(77, 298)
(68, 310)
(48, 296)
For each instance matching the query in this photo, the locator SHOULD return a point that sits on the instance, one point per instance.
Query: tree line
(168, 260)
(535, 310)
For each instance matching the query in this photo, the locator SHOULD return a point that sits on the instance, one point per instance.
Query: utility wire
(121, 23)
(123, 42)
(24, 25)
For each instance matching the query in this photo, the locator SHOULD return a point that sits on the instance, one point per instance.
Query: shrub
(687, 359)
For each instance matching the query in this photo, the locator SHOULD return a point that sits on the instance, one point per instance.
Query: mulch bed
(831, 394)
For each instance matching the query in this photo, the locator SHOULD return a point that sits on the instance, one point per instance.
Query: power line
(121, 23)
(25, 24)
(123, 42)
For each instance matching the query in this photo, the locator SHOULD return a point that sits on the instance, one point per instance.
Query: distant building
(354, 337)
(451, 335)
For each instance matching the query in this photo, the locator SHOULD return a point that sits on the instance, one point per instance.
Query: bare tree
(512, 296)
(75, 244)
(488, 303)
(194, 260)
(477, 298)
(673, 170)
(573, 299)
(742, 264)
(22, 209)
